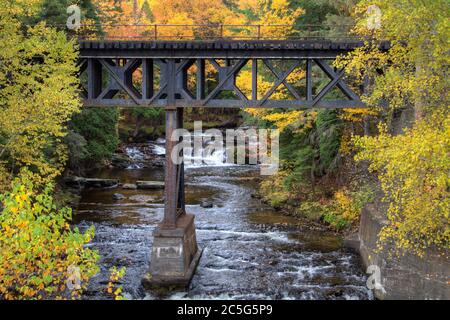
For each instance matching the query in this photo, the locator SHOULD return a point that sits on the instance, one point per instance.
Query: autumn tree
(41, 257)
(39, 251)
(192, 12)
(118, 19)
(54, 12)
(277, 18)
(413, 167)
(38, 95)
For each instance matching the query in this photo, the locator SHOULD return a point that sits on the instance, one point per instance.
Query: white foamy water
(158, 150)
(202, 158)
(134, 153)
(217, 158)
(136, 156)
(250, 250)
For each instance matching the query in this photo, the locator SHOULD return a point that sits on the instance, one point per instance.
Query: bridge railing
(166, 32)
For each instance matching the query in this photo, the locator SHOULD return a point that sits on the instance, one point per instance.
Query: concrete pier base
(175, 255)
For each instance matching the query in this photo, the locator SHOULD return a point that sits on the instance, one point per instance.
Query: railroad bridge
(173, 75)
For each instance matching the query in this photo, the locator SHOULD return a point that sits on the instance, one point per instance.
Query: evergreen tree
(147, 11)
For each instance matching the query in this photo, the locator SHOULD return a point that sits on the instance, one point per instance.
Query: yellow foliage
(36, 99)
(282, 120)
(273, 190)
(414, 171)
(19, 7)
(269, 13)
(357, 114)
(413, 167)
(346, 206)
(193, 12)
(115, 276)
(414, 69)
(39, 254)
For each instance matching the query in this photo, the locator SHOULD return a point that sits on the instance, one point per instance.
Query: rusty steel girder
(108, 70)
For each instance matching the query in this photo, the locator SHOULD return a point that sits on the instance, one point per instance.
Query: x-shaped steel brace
(121, 79)
(336, 80)
(280, 76)
(281, 79)
(227, 79)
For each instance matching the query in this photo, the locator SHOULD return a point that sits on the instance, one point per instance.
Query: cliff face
(408, 277)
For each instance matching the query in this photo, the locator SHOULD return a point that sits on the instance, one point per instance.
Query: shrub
(345, 208)
(41, 257)
(335, 220)
(98, 127)
(113, 289)
(273, 191)
(349, 204)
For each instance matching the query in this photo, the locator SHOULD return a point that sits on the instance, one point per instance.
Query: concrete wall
(409, 277)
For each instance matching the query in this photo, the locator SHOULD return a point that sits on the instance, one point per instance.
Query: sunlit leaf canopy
(197, 19)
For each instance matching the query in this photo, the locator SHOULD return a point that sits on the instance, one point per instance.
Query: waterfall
(201, 158)
(136, 156)
(158, 150)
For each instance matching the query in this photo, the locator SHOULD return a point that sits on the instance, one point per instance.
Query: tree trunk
(137, 128)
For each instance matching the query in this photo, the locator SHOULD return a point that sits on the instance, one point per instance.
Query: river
(250, 250)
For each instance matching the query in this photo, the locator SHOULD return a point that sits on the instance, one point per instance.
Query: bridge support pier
(175, 253)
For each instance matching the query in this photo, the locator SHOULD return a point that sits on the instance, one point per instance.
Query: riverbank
(336, 210)
(404, 276)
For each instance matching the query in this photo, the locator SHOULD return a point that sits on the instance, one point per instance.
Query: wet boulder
(157, 162)
(118, 196)
(129, 186)
(145, 198)
(101, 183)
(150, 185)
(273, 262)
(206, 204)
(120, 160)
(80, 182)
(74, 182)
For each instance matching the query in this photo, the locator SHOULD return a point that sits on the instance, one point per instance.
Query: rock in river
(118, 196)
(150, 184)
(206, 204)
(129, 186)
(81, 182)
(120, 160)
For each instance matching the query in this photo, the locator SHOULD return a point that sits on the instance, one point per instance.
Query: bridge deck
(220, 48)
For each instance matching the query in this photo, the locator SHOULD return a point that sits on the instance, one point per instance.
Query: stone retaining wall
(409, 277)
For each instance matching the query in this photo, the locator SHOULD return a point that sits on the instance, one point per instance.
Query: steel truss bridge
(182, 62)
(173, 75)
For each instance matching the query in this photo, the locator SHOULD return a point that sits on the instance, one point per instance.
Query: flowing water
(250, 250)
